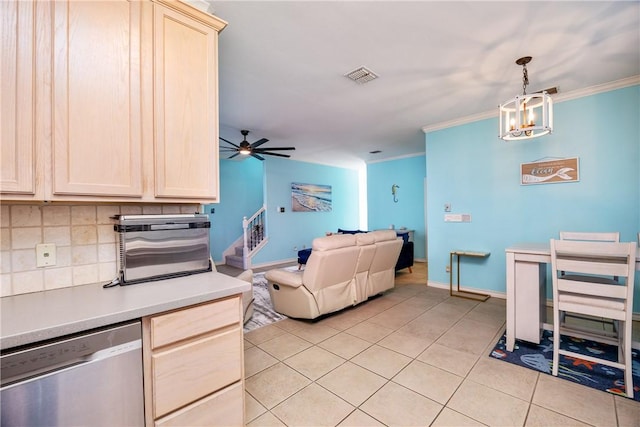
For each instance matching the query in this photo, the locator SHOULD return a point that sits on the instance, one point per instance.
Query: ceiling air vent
(361, 75)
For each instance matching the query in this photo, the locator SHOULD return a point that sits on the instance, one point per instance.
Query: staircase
(253, 239)
(236, 259)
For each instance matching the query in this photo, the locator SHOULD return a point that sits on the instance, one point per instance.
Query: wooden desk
(527, 290)
(464, 294)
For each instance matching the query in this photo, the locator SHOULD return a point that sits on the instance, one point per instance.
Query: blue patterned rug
(595, 375)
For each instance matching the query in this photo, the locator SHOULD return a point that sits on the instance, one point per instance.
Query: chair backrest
(590, 237)
(589, 265)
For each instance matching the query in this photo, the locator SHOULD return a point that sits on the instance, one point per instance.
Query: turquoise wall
(471, 168)
(241, 189)
(408, 174)
(297, 229)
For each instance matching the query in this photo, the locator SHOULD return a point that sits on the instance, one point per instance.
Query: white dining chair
(586, 289)
(582, 236)
(613, 236)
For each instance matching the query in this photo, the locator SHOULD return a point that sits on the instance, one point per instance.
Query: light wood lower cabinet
(194, 365)
(226, 405)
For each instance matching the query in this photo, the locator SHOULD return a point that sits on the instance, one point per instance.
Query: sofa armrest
(285, 277)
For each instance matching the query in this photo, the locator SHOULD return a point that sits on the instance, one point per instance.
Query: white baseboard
(502, 295)
(270, 264)
(440, 285)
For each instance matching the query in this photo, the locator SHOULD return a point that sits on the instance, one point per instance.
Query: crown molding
(405, 156)
(579, 93)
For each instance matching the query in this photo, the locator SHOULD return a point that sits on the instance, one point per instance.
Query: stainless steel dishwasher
(89, 379)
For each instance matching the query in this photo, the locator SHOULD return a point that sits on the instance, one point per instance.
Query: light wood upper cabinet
(109, 101)
(186, 102)
(97, 99)
(17, 99)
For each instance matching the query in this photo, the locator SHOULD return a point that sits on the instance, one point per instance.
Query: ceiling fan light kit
(528, 115)
(246, 149)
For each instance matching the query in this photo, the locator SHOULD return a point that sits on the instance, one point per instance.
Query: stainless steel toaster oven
(155, 247)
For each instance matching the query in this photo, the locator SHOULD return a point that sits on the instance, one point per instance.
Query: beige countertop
(39, 316)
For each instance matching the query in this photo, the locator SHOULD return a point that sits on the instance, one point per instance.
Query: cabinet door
(97, 102)
(186, 106)
(17, 133)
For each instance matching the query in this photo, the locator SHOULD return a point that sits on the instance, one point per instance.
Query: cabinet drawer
(184, 324)
(224, 408)
(184, 374)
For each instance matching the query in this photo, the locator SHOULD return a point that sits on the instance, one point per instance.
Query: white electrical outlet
(45, 254)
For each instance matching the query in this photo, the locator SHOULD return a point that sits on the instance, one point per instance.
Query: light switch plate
(45, 254)
(457, 217)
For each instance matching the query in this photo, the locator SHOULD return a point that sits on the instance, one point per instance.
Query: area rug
(263, 313)
(540, 358)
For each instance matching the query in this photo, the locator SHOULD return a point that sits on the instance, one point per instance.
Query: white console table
(527, 290)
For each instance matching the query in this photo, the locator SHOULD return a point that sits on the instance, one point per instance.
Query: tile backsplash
(85, 241)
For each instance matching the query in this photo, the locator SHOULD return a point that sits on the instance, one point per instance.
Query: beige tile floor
(412, 357)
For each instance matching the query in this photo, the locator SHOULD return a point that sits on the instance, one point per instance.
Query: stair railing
(253, 234)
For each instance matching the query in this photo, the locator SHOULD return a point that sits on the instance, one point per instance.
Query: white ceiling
(282, 66)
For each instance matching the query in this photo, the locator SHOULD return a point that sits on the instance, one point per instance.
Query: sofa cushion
(365, 239)
(334, 241)
(384, 235)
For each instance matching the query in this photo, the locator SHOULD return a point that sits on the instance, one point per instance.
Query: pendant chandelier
(528, 115)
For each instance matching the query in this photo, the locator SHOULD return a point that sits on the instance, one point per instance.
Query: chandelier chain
(525, 79)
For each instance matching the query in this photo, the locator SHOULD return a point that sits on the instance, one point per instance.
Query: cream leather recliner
(367, 250)
(382, 270)
(247, 296)
(325, 285)
(337, 274)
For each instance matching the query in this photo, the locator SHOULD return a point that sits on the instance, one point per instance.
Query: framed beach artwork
(310, 197)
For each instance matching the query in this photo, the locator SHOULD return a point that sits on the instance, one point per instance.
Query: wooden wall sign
(550, 171)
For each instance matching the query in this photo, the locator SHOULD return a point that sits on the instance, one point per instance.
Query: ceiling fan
(252, 149)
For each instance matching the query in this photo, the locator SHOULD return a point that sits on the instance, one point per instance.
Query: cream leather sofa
(342, 270)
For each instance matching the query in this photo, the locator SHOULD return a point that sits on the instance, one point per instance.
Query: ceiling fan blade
(228, 149)
(275, 149)
(257, 156)
(229, 142)
(274, 154)
(259, 142)
(233, 155)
